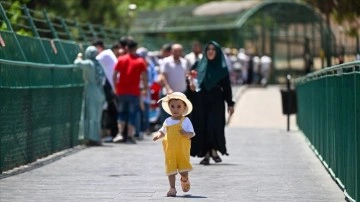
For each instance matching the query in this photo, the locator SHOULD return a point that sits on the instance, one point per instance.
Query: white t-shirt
(186, 125)
(191, 58)
(176, 73)
(107, 59)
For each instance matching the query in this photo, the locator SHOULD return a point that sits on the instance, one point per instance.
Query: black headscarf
(210, 72)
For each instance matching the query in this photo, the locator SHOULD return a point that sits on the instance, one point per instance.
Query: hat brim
(188, 110)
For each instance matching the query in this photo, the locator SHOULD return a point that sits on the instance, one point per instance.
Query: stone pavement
(266, 163)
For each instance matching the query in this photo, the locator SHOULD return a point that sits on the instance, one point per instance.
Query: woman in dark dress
(208, 116)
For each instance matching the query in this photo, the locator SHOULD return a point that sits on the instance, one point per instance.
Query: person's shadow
(190, 196)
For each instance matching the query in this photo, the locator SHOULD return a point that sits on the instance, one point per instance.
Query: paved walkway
(266, 163)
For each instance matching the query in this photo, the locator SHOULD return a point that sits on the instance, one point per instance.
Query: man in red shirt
(129, 69)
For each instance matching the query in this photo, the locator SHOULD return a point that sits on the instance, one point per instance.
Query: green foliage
(110, 13)
(342, 11)
(15, 18)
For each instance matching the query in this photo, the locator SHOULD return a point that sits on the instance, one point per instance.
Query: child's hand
(158, 136)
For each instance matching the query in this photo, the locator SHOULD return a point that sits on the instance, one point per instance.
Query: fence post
(66, 28)
(92, 30)
(9, 27)
(81, 31)
(53, 31)
(35, 32)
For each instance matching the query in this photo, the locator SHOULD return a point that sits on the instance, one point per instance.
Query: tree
(349, 11)
(342, 11)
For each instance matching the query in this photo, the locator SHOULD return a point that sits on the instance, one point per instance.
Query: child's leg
(184, 176)
(172, 179)
(172, 190)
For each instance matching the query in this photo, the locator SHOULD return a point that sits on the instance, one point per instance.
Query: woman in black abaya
(208, 116)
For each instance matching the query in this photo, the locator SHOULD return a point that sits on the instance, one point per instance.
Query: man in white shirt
(174, 70)
(107, 60)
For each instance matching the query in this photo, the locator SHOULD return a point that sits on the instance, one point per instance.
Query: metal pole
(288, 78)
(52, 28)
(35, 32)
(92, 30)
(66, 28)
(9, 28)
(81, 31)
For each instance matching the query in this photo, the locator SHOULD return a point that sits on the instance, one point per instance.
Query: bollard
(288, 78)
(288, 100)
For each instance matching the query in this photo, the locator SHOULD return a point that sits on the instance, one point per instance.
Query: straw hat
(179, 96)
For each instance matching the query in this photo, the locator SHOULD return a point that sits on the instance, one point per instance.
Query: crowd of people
(125, 83)
(247, 67)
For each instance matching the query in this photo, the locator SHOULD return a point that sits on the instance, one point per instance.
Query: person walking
(131, 68)
(173, 71)
(176, 131)
(209, 116)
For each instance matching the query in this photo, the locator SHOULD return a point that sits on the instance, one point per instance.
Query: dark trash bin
(289, 104)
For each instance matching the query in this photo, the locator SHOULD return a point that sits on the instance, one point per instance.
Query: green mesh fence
(11, 49)
(40, 109)
(329, 116)
(41, 95)
(37, 50)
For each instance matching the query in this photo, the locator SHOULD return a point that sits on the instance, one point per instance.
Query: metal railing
(41, 91)
(20, 21)
(329, 116)
(40, 108)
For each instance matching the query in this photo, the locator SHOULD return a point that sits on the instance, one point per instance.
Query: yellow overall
(177, 150)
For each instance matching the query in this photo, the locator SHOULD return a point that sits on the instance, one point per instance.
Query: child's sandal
(171, 193)
(185, 185)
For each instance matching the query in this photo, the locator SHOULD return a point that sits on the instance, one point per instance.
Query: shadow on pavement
(190, 196)
(222, 164)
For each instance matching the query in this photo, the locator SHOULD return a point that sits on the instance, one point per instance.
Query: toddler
(176, 131)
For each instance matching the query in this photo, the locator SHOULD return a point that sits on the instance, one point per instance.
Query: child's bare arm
(158, 136)
(186, 134)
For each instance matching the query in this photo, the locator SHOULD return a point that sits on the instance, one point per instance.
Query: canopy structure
(286, 30)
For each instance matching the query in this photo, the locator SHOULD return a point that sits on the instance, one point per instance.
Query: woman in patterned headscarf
(94, 95)
(209, 117)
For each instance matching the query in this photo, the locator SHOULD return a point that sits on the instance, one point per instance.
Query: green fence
(48, 29)
(329, 116)
(41, 91)
(40, 108)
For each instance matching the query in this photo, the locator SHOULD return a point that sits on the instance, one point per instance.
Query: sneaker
(131, 140)
(118, 138)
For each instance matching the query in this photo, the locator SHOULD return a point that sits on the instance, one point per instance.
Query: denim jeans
(127, 106)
